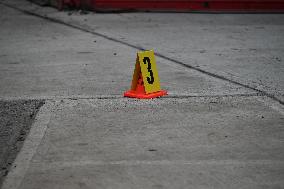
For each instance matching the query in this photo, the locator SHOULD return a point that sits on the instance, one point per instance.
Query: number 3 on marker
(150, 79)
(148, 68)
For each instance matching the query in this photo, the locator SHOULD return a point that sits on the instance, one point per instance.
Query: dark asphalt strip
(16, 118)
(141, 48)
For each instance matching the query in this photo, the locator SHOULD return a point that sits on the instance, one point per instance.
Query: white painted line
(22, 162)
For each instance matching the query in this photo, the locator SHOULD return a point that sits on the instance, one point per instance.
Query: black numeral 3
(150, 79)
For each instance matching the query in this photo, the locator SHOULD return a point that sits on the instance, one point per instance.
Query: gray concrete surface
(246, 48)
(165, 143)
(56, 60)
(216, 129)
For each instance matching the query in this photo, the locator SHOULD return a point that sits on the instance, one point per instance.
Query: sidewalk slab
(163, 143)
(47, 60)
(246, 48)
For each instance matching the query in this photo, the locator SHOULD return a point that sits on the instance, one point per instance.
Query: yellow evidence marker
(145, 82)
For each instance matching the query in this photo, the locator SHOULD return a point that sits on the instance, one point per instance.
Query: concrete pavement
(58, 61)
(211, 142)
(216, 129)
(243, 48)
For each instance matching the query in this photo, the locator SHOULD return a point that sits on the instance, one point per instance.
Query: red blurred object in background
(178, 5)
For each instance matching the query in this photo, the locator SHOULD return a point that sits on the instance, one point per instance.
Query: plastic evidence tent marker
(145, 81)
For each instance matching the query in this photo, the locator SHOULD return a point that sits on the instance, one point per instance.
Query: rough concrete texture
(216, 129)
(246, 48)
(163, 143)
(55, 60)
(16, 118)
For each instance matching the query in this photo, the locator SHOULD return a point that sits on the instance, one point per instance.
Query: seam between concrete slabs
(176, 62)
(116, 96)
(34, 138)
(158, 162)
